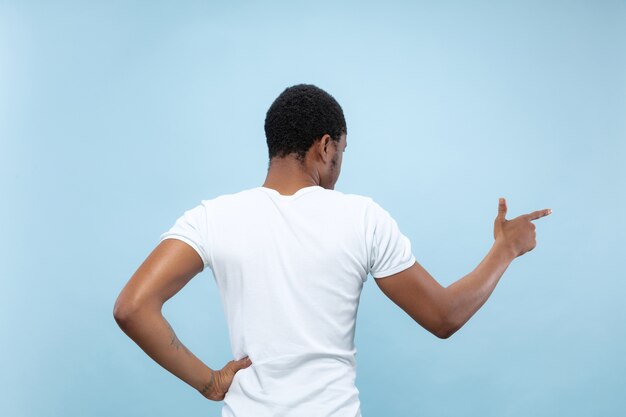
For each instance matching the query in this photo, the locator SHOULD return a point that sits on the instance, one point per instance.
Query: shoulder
(232, 197)
(250, 195)
(357, 199)
(367, 203)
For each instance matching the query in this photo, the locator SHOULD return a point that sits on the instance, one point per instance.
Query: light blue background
(116, 117)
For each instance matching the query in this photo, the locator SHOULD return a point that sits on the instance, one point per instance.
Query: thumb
(241, 364)
(501, 209)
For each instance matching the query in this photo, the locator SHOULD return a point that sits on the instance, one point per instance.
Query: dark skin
(322, 167)
(169, 267)
(173, 263)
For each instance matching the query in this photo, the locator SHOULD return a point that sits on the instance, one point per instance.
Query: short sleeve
(389, 250)
(192, 228)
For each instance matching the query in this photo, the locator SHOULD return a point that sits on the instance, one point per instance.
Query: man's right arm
(444, 310)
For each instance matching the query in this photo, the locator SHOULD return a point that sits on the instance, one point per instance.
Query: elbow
(128, 310)
(124, 312)
(448, 322)
(446, 327)
(443, 329)
(445, 332)
(121, 314)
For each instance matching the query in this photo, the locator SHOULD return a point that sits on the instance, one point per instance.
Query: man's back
(290, 269)
(290, 258)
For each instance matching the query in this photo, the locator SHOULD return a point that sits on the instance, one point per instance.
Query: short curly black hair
(299, 116)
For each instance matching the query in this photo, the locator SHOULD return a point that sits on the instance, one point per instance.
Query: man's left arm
(170, 266)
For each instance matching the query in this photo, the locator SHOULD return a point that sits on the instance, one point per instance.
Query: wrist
(207, 386)
(505, 250)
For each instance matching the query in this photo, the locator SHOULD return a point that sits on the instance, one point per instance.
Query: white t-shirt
(290, 270)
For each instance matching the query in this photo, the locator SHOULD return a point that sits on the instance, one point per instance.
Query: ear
(324, 147)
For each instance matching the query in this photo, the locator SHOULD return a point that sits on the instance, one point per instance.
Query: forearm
(153, 333)
(469, 293)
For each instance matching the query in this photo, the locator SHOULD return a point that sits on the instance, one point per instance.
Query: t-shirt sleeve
(388, 249)
(192, 228)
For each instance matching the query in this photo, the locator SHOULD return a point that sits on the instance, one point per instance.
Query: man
(290, 258)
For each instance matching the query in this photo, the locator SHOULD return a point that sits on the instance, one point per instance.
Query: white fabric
(290, 270)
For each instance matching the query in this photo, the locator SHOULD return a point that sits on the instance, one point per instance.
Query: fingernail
(549, 211)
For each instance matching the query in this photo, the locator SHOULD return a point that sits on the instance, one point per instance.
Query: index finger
(538, 214)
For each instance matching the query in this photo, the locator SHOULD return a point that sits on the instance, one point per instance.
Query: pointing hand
(518, 233)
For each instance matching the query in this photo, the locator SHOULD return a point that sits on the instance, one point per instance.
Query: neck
(287, 176)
